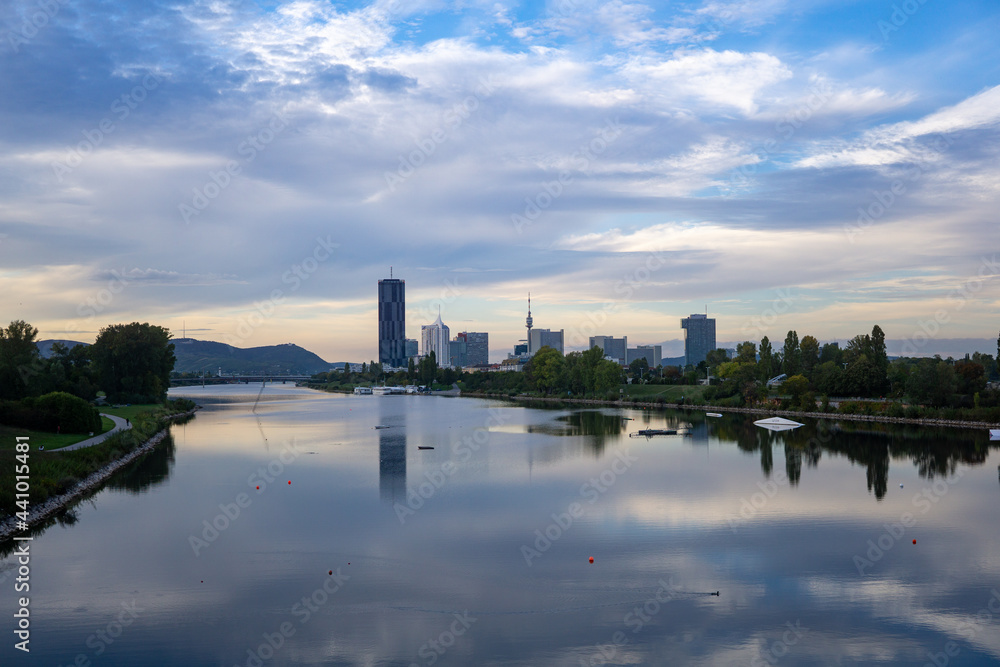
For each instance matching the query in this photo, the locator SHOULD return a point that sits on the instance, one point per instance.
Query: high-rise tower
(528, 322)
(392, 322)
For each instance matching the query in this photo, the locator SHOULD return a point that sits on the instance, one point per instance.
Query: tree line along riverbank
(847, 414)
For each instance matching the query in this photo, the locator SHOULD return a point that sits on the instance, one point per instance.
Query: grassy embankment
(53, 472)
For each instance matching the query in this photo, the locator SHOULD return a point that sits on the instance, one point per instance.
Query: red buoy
(591, 559)
(331, 571)
(289, 481)
(914, 541)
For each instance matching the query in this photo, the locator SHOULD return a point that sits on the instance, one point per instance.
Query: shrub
(70, 413)
(57, 411)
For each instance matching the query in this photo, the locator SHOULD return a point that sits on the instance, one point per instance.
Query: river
(327, 529)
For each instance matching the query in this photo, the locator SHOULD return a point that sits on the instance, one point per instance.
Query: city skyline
(251, 169)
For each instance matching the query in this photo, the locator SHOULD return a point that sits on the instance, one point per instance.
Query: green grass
(54, 472)
(8, 435)
(132, 411)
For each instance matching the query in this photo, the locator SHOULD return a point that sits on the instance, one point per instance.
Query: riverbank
(842, 416)
(56, 504)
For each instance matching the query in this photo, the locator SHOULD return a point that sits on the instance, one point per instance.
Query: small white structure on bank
(777, 424)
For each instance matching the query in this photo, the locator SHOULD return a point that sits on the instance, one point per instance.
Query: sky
(247, 171)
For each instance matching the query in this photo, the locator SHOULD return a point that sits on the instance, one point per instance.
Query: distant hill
(195, 356)
(45, 346)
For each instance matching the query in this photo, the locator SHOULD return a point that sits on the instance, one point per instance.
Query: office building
(458, 352)
(412, 348)
(538, 338)
(699, 338)
(651, 353)
(392, 322)
(436, 338)
(477, 347)
(615, 349)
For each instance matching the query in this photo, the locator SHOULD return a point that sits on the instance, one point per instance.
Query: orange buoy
(591, 559)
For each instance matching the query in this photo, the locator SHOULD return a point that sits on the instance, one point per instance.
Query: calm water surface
(476, 552)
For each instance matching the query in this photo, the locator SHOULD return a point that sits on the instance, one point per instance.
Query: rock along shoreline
(749, 411)
(52, 506)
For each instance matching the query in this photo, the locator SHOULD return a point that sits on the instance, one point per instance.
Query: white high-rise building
(436, 338)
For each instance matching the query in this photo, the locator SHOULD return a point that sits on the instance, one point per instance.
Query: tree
(971, 377)
(638, 367)
(428, 369)
(411, 369)
(133, 362)
(809, 349)
(796, 386)
(791, 356)
(716, 357)
(20, 362)
(746, 352)
(880, 361)
(545, 369)
(932, 381)
(607, 376)
(766, 363)
(831, 352)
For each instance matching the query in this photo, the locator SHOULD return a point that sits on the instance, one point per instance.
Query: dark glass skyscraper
(392, 322)
(699, 338)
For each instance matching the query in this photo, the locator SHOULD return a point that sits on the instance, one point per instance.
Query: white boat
(362, 391)
(387, 391)
(713, 414)
(777, 424)
(995, 434)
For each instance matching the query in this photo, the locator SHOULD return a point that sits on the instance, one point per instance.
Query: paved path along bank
(120, 425)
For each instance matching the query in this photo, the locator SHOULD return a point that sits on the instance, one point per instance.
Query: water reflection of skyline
(392, 452)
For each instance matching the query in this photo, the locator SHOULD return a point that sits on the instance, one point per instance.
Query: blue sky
(252, 169)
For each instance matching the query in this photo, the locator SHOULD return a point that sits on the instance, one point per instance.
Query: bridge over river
(237, 379)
